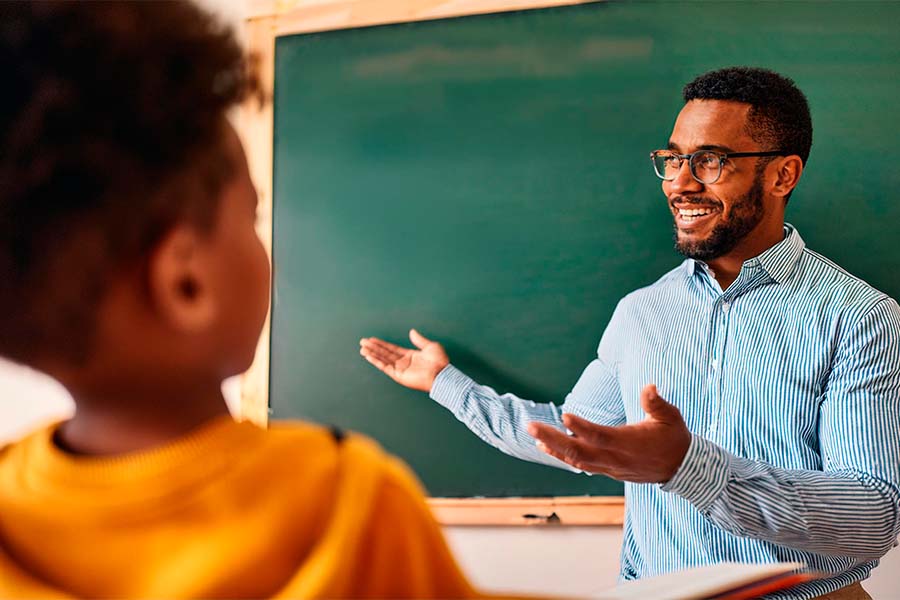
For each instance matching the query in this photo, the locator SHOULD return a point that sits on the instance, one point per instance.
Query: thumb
(657, 408)
(418, 340)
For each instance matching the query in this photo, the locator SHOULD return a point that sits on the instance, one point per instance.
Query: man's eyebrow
(720, 147)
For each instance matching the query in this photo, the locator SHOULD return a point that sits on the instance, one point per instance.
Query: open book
(723, 581)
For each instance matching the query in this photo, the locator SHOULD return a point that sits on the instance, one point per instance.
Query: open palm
(414, 369)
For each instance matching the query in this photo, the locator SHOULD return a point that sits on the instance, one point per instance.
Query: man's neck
(727, 268)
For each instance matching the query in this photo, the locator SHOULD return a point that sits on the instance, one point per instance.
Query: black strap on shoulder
(337, 433)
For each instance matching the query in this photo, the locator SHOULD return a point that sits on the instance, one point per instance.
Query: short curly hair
(779, 117)
(111, 131)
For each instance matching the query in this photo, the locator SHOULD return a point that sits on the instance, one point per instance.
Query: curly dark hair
(779, 118)
(111, 131)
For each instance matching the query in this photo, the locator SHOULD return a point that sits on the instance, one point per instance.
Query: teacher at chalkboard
(749, 398)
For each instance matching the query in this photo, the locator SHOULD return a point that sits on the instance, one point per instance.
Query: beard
(745, 215)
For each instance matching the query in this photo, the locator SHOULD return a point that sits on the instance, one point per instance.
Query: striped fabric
(790, 383)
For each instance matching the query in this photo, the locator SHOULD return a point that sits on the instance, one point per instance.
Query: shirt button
(715, 364)
(725, 307)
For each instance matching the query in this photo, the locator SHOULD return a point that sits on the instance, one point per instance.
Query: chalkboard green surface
(486, 179)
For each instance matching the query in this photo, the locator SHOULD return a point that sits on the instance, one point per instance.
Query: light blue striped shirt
(789, 381)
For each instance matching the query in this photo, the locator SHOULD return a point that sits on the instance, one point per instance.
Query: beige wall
(28, 399)
(576, 561)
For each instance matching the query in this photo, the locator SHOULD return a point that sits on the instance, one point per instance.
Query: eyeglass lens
(705, 166)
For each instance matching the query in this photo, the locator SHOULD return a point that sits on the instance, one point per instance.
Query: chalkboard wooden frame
(269, 19)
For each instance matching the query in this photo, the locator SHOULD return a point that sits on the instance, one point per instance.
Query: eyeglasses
(705, 165)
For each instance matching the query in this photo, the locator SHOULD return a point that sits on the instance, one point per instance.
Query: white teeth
(691, 213)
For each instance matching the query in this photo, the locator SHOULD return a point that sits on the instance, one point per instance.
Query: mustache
(696, 200)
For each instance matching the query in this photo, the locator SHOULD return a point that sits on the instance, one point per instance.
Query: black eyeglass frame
(722, 156)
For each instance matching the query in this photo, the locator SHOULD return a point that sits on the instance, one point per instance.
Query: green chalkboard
(486, 179)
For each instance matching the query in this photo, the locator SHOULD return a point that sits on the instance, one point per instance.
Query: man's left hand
(647, 452)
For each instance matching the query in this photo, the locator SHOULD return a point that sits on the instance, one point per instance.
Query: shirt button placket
(719, 327)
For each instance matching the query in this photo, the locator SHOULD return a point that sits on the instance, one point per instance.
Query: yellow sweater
(228, 511)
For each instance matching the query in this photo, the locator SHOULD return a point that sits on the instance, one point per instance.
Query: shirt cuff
(703, 474)
(450, 388)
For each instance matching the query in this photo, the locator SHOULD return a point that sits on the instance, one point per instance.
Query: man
(779, 435)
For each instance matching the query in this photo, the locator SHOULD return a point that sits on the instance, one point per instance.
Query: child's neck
(140, 420)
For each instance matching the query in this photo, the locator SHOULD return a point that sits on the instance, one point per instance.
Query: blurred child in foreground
(130, 271)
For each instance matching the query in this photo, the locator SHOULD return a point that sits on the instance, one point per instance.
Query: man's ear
(787, 175)
(179, 279)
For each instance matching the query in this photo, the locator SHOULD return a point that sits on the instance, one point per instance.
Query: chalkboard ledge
(576, 510)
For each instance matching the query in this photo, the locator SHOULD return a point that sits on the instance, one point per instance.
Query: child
(131, 272)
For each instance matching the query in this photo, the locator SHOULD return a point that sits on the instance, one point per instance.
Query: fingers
(381, 354)
(657, 408)
(651, 402)
(385, 350)
(378, 355)
(378, 363)
(374, 342)
(597, 435)
(535, 429)
(548, 437)
(569, 449)
(418, 340)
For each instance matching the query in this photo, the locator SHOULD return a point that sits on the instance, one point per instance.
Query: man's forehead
(711, 124)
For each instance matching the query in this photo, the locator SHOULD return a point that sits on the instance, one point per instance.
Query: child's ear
(180, 280)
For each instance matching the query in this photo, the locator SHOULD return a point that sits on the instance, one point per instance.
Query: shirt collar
(778, 261)
(690, 265)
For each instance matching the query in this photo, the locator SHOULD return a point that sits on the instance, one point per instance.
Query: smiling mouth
(689, 215)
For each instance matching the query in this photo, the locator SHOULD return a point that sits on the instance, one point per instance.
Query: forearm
(499, 420)
(845, 513)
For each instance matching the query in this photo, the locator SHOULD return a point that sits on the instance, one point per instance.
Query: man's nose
(684, 181)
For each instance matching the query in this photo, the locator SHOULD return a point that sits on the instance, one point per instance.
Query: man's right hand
(415, 369)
